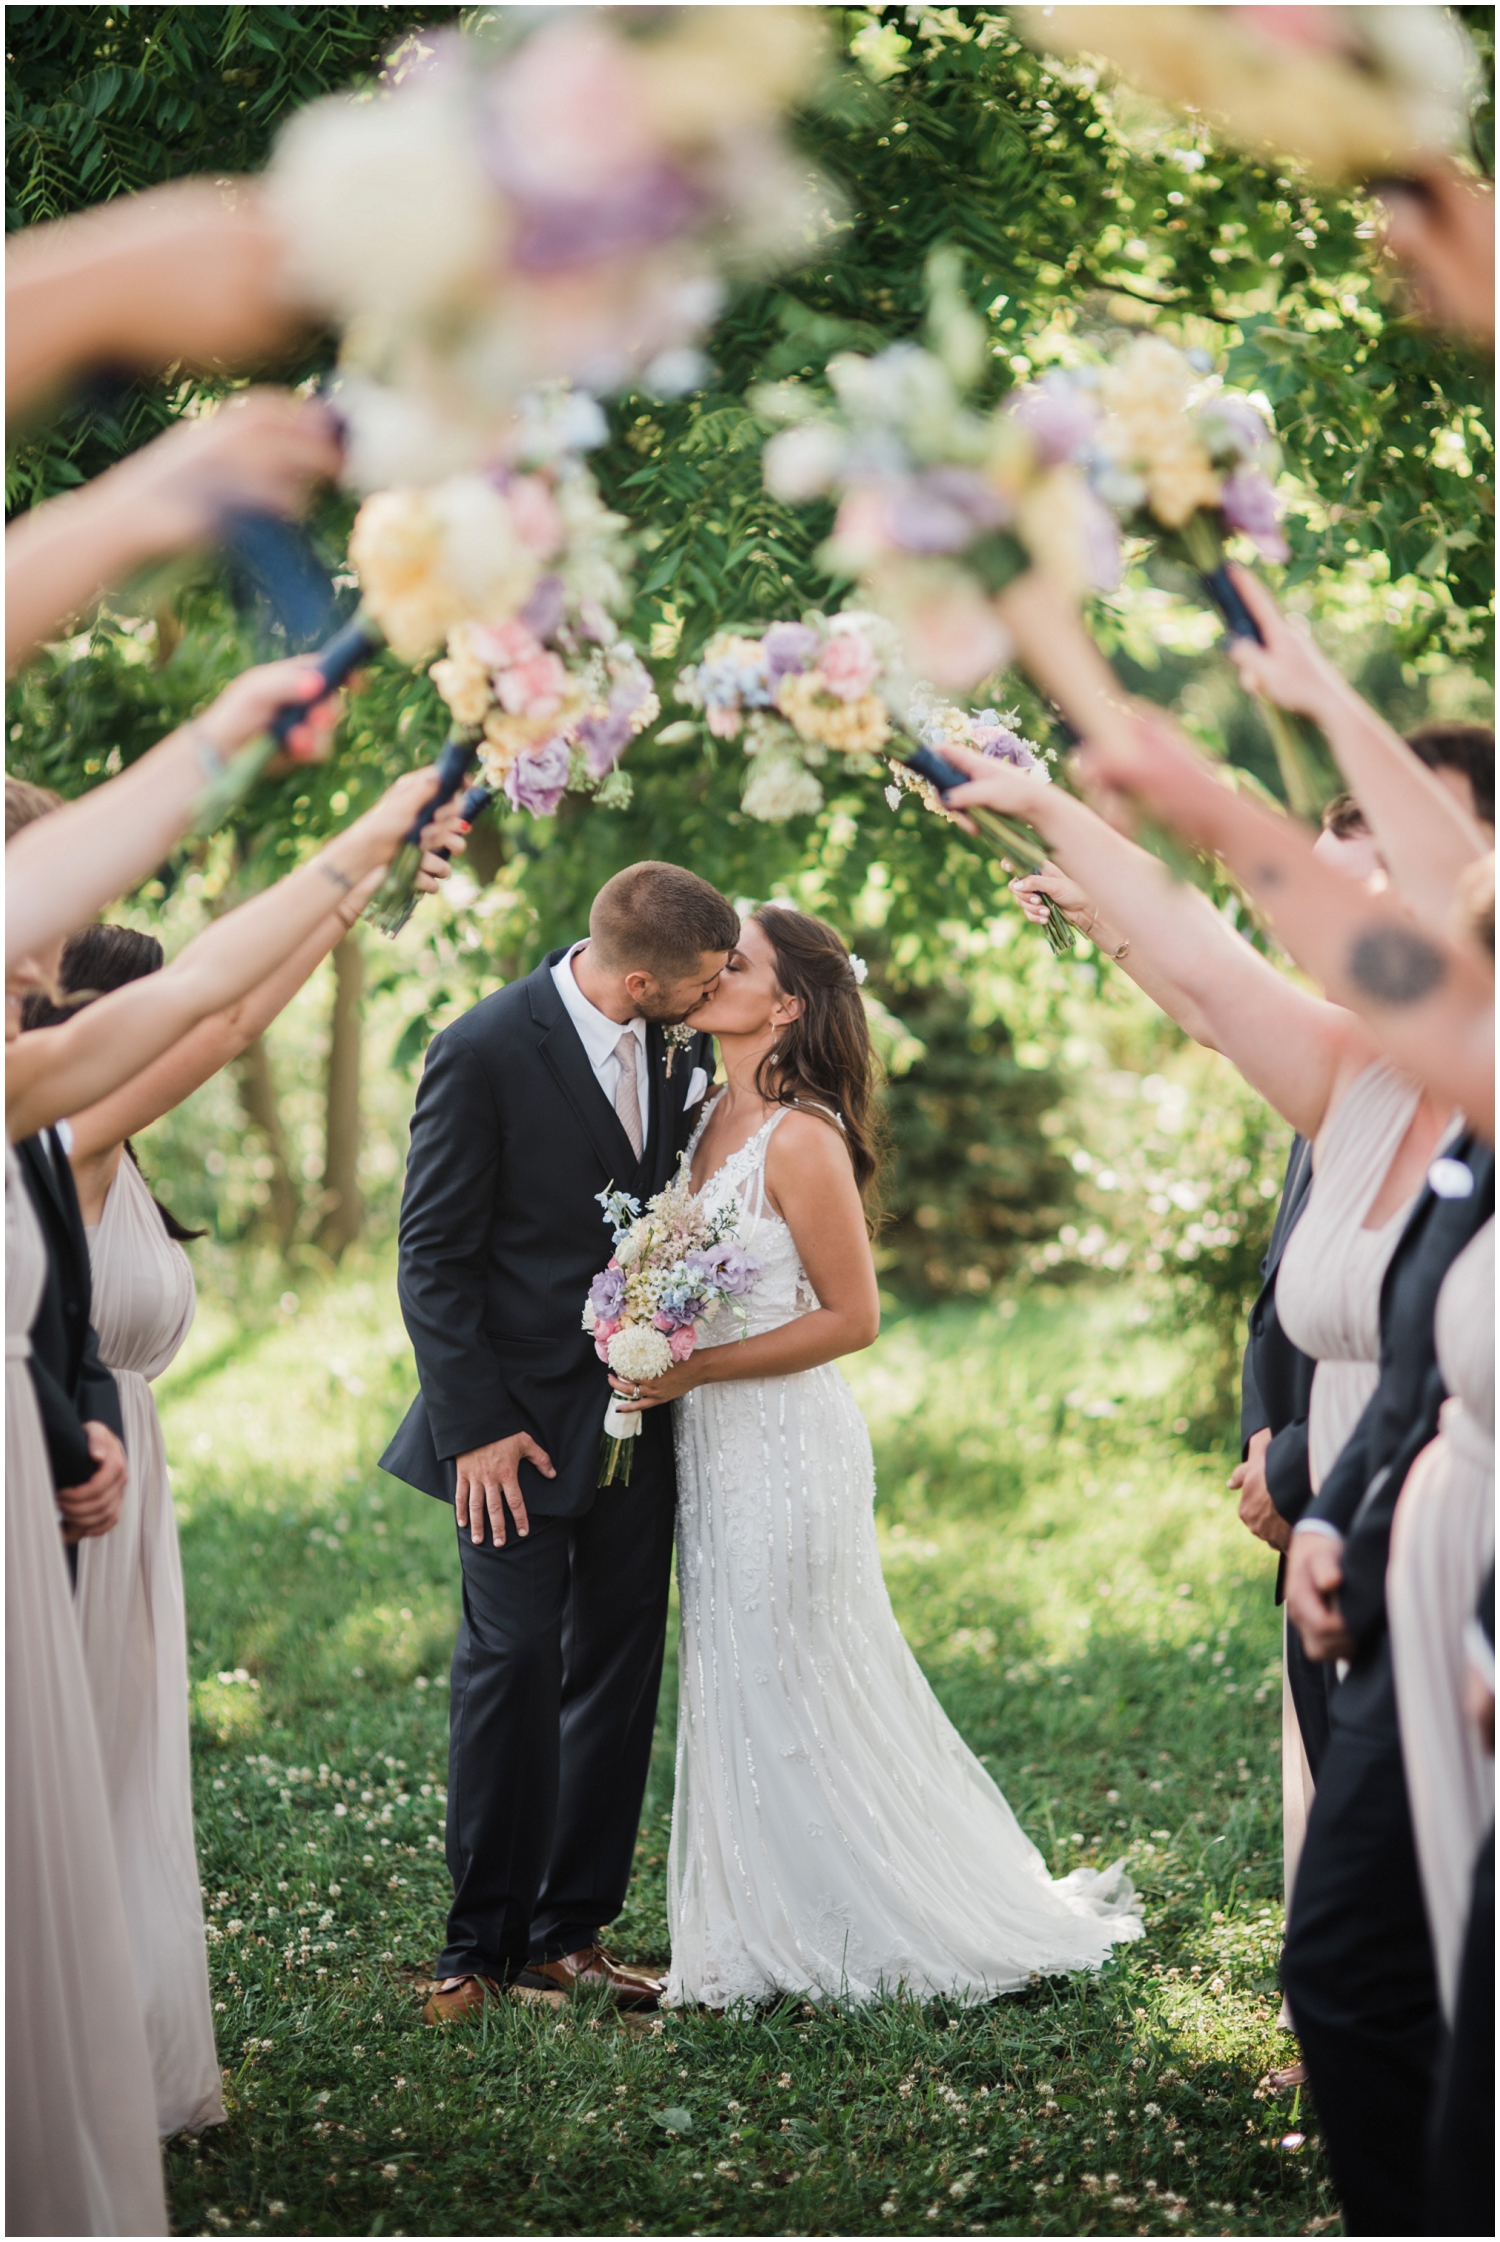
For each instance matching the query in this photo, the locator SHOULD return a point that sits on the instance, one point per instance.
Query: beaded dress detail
(832, 1834)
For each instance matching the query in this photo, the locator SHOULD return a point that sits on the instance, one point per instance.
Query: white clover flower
(640, 1352)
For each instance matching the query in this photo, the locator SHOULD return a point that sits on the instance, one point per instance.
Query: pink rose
(682, 1342)
(848, 665)
(500, 649)
(862, 528)
(534, 510)
(724, 723)
(603, 1333)
(533, 688)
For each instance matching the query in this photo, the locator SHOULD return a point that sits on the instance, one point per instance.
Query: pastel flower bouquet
(794, 695)
(543, 195)
(1189, 463)
(671, 1265)
(940, 505)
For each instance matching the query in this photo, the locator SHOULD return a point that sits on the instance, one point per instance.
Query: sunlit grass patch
(1077, 1587)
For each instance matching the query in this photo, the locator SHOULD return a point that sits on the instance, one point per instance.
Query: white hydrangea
(780, 789)
(640, 1352)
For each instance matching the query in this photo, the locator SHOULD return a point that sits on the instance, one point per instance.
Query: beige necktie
(627, 1094)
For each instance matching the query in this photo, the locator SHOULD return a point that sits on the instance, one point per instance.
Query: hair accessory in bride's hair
(858, 968)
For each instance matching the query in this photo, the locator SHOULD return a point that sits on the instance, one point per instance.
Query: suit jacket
(1360, 1493)
(1277, 1379)
(501, 1232)
(73, 1387)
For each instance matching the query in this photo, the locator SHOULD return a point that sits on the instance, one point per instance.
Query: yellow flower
(850, 727)
(464, 686)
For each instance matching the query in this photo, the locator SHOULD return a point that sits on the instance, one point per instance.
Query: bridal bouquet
(940, 505)
(543, 195)
(670, 1266)
(794, 694)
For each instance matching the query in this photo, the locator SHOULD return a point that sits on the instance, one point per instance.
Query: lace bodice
(781, 1292)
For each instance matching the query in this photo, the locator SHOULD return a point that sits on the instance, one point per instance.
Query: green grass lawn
(1075, 1583)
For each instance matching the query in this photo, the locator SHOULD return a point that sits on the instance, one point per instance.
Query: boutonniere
(677, 1039)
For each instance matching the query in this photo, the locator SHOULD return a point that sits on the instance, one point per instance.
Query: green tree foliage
(1078, 209)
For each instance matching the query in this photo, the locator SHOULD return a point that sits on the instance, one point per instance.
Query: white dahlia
(640, 1352)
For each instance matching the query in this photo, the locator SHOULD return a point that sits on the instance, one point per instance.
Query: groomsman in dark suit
(75, 1392)
(548, 1093)
(1358, 1968)
(1273, 1480)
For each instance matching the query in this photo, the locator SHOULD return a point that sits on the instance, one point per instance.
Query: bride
(832, 1834)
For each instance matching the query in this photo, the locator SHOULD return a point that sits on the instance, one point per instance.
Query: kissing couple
(832, 1835)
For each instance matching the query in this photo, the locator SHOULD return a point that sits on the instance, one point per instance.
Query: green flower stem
(239, 777)
(1019, 845)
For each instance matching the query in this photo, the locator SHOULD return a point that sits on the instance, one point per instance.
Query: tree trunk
(258, 1097)
(343, 1208)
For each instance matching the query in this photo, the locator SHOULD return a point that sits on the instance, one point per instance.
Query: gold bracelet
(1123, 951)
(330, 871)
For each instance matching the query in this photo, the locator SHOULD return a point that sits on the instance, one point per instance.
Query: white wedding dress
(832, 1834)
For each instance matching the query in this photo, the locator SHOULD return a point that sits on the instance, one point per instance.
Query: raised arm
(60, 1070)
(1297, 1051)
(189, 271)
(62, 869)
(1425, 838)
(217, 1041)
(262, 449)
(1429, 1001)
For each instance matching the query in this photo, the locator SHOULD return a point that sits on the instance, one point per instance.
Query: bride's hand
(652, 1392)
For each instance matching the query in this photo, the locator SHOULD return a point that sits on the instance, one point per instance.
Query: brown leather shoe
(591, 1966)
(463, 2003)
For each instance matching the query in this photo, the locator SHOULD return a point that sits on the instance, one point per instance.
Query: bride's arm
(811, 1184)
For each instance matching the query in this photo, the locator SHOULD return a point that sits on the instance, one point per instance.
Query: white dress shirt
(599, 1035)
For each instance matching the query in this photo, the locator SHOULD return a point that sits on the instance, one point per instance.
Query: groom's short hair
(659, 919)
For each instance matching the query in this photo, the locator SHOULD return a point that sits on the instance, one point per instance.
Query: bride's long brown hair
(823, 1057)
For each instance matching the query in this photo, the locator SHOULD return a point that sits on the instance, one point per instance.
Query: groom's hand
(489, 1479)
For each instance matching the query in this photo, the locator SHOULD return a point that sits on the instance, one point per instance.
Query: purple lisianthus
(1249, 504)
(1057, 415)
(999, 742)
(544, 610)
(604, 739)
(727, 1267)
(943, 510)
(655, 202)
(789, 648)
(607, 1294)
(538, 782)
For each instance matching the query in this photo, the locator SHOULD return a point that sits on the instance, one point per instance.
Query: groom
(550, 1091)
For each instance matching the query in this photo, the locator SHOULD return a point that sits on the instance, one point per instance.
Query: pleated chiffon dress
(132, 1617)
(1442, 1545)
(81, 2152)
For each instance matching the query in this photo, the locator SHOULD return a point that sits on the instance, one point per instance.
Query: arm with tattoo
(1428, 1000)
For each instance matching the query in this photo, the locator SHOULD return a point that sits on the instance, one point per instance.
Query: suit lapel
(567, 1062)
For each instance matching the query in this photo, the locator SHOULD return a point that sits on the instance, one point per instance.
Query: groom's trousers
(555, 1682)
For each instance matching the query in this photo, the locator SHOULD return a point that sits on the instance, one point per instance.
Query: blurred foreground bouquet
(940, 505)
(794, 694)
(672, 1265)
(542, 196)
(1349, 93)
